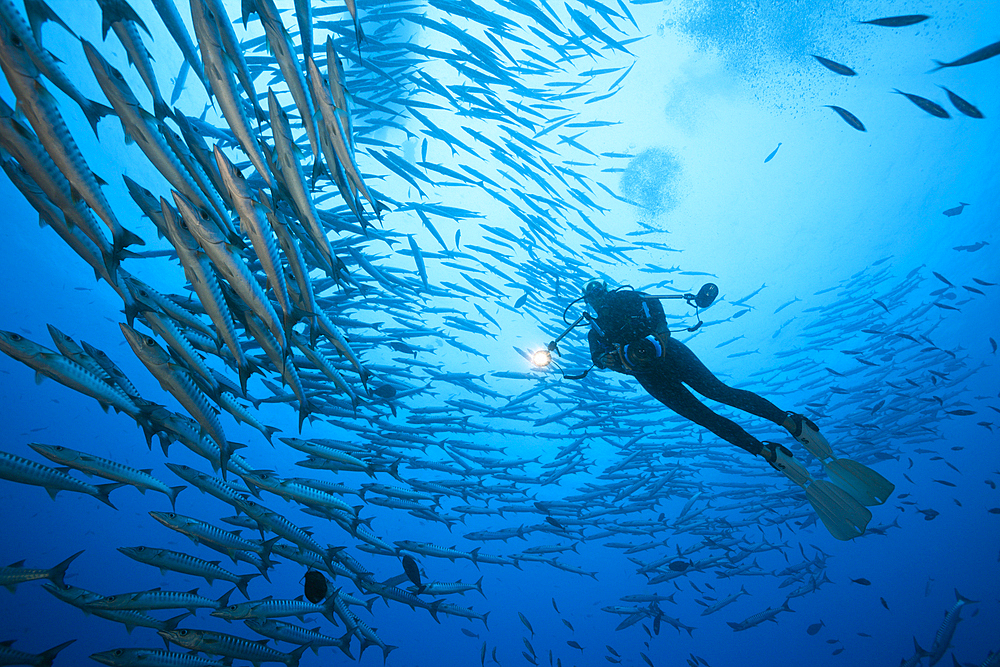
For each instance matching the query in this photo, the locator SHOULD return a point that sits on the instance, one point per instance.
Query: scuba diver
(629, 335)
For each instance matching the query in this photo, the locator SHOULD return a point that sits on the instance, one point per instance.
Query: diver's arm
(598, 348)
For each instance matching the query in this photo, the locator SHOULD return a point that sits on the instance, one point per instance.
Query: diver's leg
(692, 372)
(676, 396)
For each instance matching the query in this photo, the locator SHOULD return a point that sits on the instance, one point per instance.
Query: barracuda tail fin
(958, 598)
(104, 489)
(57, 573)
(45, 658)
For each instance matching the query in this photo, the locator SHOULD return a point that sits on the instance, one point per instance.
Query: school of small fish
(271, 213)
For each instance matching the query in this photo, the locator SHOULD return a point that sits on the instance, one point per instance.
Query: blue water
(835, 221)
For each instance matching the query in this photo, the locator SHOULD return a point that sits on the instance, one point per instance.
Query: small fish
(952, 212)
(679, 565)
(898, 21)
(884, 603)
(929, 515)
(838, 651)
(976, 56)
(963, 105)
(568, 625)
(316, 587)
(385, 391)
(574, 644)
(814, 628)
(526, 623)
(984, 283)
(469, 633)
(979, 245)
(862, 581)
(843, 70)
(848, 117)
(960, 413)
(884, 307)
(520, 302)
(771, 156)
(942, 279)
(554, 606)
(413, 572)
(933, 108)
(993, 344)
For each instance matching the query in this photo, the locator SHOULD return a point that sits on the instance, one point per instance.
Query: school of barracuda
(273, 216)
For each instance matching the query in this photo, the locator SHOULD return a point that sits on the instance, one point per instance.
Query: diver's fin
(842, 515)
(864, 484)
(806, 432)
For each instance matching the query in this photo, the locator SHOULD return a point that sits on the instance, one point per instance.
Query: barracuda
(15, 574)
(230, 646)
(176, 380)
(42, 112)
(176, 561)
(95, 465)
(152, 657)
(159, 599)
(216, 538)
(219, 71)
(271, 608)
(25, 471)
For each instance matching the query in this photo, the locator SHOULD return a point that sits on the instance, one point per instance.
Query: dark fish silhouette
(942, 279)
(952, 212)
(771, 156)
(520, 301)
(933, 108)
(814, 628)
(316, 587)
(848, 117)
(976, 56)
(402, 347)
(386, 391)
(898, 21)
(862, 581)
(963, 105)
(679, 565)
(469, 633)
(413, 572)
(843, 70)
(979, 245)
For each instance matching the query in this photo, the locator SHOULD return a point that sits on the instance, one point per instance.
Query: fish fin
(38, 13)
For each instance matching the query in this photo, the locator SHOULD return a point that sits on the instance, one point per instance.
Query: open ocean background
(835, 221)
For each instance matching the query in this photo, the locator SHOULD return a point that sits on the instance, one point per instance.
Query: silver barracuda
(254, 223)
(144, 130)
(224, 541)
(42, 112)
(152, 657)
(230, 264)
(16, 573)
(25, 471)
(176, 561)
(11, 656)
(291, 69)
(160, 599)
(288, 632)
(201, 274)
(289, 172)
(95, 465)
(120, 17)
(22, 143)
(67, 372)
(231, 646)
(178, 381)
(219, 71)
(46, 62)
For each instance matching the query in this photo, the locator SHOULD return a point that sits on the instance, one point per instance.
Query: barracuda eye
(16, 41)
(119, 652)
(172, 515)
(240, 174)
(118, 75)
(16, 337)
(140, 549)
(182, 633)
(59, 448)
(149, 342)
(204, 214)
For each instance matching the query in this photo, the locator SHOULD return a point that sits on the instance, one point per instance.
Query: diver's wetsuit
(626, 316)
